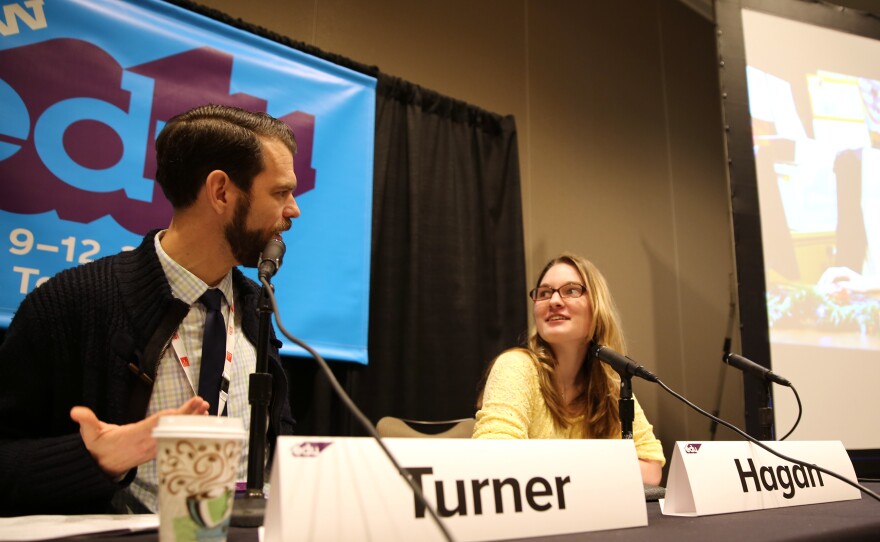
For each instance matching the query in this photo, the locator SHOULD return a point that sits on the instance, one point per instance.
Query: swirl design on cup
(198, 467)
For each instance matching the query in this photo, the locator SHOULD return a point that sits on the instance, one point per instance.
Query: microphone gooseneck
(748, 366)
(270, 258)
(620, 363)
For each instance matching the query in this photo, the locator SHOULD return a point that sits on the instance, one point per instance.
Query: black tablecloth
(847, 520)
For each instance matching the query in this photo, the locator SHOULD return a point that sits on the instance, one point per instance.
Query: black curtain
(448, 274)
(447, 288)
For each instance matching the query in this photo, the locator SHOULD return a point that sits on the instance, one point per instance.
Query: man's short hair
(213, 137)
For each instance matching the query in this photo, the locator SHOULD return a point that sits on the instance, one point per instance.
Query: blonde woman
(550, 389)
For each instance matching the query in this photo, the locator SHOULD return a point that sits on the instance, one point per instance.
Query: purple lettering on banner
(89, 150)
(303, 126)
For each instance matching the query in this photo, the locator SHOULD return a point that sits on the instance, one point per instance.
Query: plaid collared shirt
(171, 388)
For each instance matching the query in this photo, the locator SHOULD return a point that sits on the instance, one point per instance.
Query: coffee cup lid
(196, 426)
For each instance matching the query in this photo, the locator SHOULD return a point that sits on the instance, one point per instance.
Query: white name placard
(720, 477)
(347, 489)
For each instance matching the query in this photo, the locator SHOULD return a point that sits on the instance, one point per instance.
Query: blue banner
(86, 86)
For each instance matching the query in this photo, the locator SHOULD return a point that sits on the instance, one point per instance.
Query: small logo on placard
(692, 448)
(309, 449)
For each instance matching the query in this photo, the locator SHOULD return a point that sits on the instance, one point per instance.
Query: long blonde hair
(600, 385)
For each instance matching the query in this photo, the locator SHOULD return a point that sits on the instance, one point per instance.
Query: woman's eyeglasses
(568, 291)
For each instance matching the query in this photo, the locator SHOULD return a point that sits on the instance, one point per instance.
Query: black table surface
(846, 520)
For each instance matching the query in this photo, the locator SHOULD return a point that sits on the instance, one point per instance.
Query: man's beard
(246, 245)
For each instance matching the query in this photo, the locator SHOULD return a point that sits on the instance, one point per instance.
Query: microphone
(748, 366)
(620, 363)
(270, 258)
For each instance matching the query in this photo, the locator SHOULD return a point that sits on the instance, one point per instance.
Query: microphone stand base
(248, 510)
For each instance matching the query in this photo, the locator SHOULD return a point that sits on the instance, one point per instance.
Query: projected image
(816, 130)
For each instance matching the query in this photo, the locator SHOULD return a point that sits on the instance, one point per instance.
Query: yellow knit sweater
(514, 408)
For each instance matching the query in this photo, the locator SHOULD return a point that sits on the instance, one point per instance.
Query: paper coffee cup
(197, 461)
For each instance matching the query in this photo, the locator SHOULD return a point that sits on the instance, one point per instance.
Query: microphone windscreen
(271, 257)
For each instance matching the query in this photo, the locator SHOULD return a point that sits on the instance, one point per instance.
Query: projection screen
(802, 103)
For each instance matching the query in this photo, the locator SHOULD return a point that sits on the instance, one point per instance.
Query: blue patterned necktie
(213, 350)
